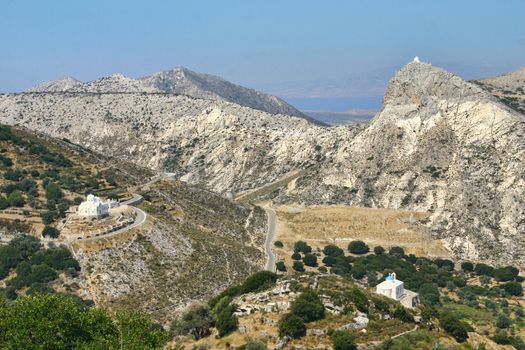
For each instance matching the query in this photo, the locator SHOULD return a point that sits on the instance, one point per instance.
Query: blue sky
(264, 44)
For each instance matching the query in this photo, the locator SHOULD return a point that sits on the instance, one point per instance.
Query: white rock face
(509, 88)
(439, 144)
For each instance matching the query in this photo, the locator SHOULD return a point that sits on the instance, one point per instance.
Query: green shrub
(292, 326)
(403, 315)
(358, 272)
(253, 345)
(54, 192)
(296, 256)
(60, 322)
(302, 247)
(358, 247)
(503, 321)
(378, 250)
(343, 340)
(332, 250)
(329, 260)
(396, 252)
(453, 326)
(505, 274)
(278, 244)
(259, 281)
(196, 322)
(484, 269)
(310, 260)
(298, 266)
(225, 321)
(513, 288)
(16, 199)
(467, 266)
(49, 231)
(308, 306)
(280, 266)
(429, 293)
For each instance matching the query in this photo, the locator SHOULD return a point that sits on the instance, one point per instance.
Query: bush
(502, 338)
(258, 281)
(403, 315)
(54, 192)
(453, 326)
(332, 250)
(296, 256)
(513, 288)
(358, 272)
(301, 246)
(49, 231)
(13, 175)
(467, 266)
(429, 293)
(16, 199)
(47, 217)
(484, 269)
(308, 306)
(253, 345)
(310, 260)
(504, 274)
(396, 252)
(278, 244)
(298, 266)
(292, 326)
(61, 322)
(343, 340)
(280, 266)
(503, 321)
(4, 204)
(329, 260)
(445, 264)
(225, 321)
(196, 322)
(358, 247)
(378, 250)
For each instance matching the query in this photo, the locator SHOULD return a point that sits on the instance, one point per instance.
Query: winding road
(270, 236)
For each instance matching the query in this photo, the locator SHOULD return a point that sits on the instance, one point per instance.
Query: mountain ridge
(179, 80)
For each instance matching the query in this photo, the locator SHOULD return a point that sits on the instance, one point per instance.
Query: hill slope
(509, 88)
(193, 243)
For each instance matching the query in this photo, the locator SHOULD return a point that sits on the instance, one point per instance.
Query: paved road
(272, 230)
(137, 198)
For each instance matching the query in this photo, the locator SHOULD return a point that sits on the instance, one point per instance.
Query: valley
(219, 191)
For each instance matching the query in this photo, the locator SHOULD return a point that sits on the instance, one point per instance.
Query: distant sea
(337, 104)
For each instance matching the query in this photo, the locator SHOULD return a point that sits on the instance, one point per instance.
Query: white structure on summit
(416, 59)
(395, 289)
(94, 207)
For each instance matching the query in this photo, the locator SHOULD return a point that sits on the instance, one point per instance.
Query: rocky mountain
(178, 81)
(439, 144)
(187, 82)
(57, 85)
(509, 88)
(442, 145)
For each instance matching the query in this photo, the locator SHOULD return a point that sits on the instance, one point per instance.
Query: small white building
(393, 288)
(93, 207)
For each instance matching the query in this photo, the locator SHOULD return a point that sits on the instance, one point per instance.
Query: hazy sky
(260, 44)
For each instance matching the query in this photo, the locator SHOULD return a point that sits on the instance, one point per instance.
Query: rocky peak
(56, 85)
(419, 83)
